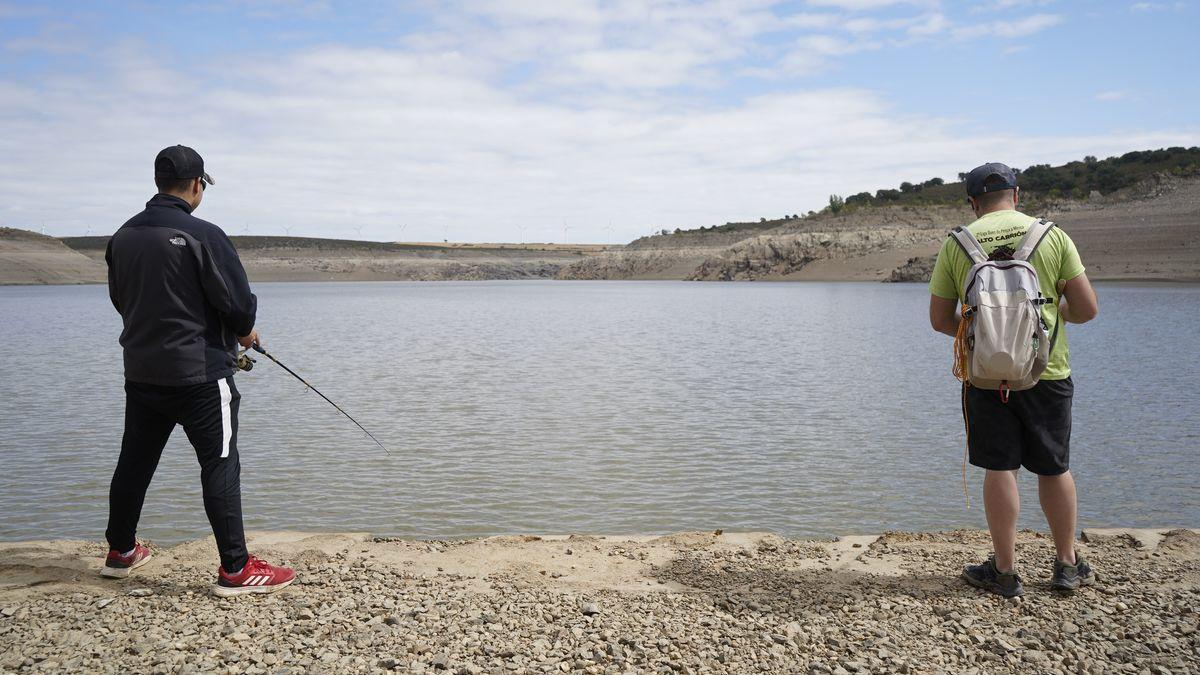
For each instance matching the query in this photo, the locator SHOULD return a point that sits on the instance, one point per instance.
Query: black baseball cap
(179, 162)
(977, 179)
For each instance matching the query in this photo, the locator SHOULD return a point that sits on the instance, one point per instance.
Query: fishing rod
(248, 364)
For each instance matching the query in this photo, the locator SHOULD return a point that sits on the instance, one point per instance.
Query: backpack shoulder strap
(1033, 237)
(970, 245)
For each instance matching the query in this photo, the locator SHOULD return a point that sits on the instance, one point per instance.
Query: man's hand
(250, 340)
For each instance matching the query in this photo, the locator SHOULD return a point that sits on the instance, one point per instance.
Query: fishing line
(246, 363)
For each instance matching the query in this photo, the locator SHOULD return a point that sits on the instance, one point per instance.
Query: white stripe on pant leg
(226, 418)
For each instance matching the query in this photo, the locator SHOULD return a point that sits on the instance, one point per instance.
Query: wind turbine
(358, 231)
(402, 231)
(521, 229)
(565, 228)
(288, 229)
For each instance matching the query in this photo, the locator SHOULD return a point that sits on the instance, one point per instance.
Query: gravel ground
(688, 603)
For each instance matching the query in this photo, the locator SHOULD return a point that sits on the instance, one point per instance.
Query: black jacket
(182, 294)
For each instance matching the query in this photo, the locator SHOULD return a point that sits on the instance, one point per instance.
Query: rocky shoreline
(1148, 233)
(687, 603)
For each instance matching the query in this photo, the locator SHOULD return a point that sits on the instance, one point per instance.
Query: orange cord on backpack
(961, 354)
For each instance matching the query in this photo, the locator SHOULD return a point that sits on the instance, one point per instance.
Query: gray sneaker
(1071, 577)
(987, 577)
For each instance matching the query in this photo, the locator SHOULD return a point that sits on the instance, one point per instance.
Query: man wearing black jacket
(185, 303)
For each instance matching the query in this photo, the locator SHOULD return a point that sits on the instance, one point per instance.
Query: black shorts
(1032, 430)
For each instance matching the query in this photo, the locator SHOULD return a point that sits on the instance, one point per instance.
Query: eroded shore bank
(692, 603)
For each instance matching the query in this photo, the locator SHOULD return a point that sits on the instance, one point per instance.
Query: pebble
(775, 611)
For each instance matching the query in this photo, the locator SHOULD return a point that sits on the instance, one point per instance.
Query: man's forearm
(1064, 311)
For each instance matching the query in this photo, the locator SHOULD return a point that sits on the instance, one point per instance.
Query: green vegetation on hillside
(1042, 181)
(1039, 183)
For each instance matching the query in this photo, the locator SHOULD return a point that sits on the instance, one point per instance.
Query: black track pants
(208, 414)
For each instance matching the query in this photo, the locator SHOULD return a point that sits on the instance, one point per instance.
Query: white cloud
(606, 126)
(813, 53)
(1157, 6)
(930, 24)
(813, 21)
(861, 5)
(994, 5)
(1114, 95)
(1009, 29)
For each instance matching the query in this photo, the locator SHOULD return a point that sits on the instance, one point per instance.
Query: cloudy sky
(514, 119)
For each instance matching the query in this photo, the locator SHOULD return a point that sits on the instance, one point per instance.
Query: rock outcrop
(917, 268)
(776, 256)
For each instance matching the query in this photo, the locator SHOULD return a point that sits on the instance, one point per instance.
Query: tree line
(1077, 179)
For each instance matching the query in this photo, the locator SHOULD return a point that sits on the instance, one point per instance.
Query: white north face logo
(178, 241)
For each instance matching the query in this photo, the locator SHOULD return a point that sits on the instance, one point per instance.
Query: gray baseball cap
(977, 179)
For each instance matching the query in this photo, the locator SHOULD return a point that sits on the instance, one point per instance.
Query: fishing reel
(244, 362)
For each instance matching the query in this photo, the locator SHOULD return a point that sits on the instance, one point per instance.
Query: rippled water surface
(607, 407)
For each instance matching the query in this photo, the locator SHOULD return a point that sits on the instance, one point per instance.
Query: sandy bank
(31, 258)
(1150, 232)
(693, 602)
(314, 259)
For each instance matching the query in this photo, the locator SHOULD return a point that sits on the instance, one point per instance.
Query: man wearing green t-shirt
(1033, 428)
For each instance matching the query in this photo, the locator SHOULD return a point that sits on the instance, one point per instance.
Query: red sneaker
(256, 577)
(117, 566)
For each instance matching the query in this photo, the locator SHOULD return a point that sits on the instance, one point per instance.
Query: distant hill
(1042, 186)
(1136, 216)
(32, 258)
(270, 258)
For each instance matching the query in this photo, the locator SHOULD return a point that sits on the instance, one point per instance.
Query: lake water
(598, 407)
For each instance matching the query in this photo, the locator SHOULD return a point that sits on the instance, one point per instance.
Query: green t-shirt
(1055, 259)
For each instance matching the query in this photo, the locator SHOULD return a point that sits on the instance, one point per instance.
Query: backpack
(1003, 335)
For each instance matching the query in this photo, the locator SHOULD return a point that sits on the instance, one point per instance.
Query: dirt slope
(314, 259)
(31, 258)
(1149, 232)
